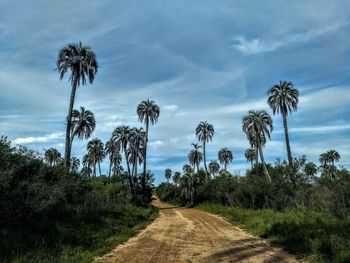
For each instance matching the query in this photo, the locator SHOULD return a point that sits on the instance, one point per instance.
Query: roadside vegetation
(57, 208)
(295, 203)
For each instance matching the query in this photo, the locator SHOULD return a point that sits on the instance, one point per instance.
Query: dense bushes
(319, 236)
(47, 214)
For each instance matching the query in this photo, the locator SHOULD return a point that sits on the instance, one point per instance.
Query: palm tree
(283, 98)
(176, 177)
(82, 63)
(112, 150)
(148, 112)
(258, 125)
(187, 169)
(52, 156)
(121, 136)
(250, 155)
(96, 151)
(75, 163)
(195, 156)
(214, 168)
(136, 149)
(167, 174)
(225, 157)
(333, 156)
(83, 124)
(87, 163)
(204, 133)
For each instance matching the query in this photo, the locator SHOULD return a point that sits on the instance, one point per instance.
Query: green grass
(318, 237)
(84, 242)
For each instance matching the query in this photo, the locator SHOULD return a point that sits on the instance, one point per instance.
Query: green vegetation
(319, 236)
(48, 215)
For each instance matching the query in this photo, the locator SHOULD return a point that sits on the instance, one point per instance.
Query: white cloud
(257, 45)
(318, 129)
(171, 107)
(39, 139)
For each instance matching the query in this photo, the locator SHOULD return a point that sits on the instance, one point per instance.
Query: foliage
(48, 214)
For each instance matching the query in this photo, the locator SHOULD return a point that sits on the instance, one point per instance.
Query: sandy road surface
(189, 235)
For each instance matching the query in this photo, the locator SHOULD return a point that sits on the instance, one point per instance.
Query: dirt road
(189, 235)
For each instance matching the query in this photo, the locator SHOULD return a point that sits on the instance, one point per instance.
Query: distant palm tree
(121, 136)
(176, 177)
(225, 157)
(74, 164)
(195, 156)
(214, 168)
(310, 169)
(83, 124)
(82, 63)
(187, 169)
(135, 150)
(112, 151)
(333, 156)
(258, 125)
(148, 112)
(250, 155)
(167, 174)
(324, 158)
(87, 163)
(283, 98)
(205, 133)
(96, 152)
(52, 156)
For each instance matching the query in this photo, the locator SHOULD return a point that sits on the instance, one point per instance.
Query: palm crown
(225, 157)
(83, 123)
(81, 61)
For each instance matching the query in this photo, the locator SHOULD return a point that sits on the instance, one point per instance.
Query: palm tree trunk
(251, 164)
(204, 159)
(285, 126)
(256, 160)
(128, 166)
(145, 160)
(69, 124)
(110, 168)
(225, 166)
(99, 168)
(268, 178)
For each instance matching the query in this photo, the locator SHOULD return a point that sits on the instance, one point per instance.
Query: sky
(198, 60)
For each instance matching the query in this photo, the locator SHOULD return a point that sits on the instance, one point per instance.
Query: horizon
(198, 62)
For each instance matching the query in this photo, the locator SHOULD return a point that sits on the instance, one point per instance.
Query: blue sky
(199, 60)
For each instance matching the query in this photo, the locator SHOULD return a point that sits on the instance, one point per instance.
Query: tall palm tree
(187, 169)
(87, 163)
(81, 61)
(96, 151)
(225, 157)
(258, 125)
(74, 164)
(214, 168)
(167, 174)
(83, 124)
(283, 98)
(250, 155)
(112, 151)
(121, 135)
(204, 133)
(195, 156)
(52, 156)
(136, 149)
(148, 112)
